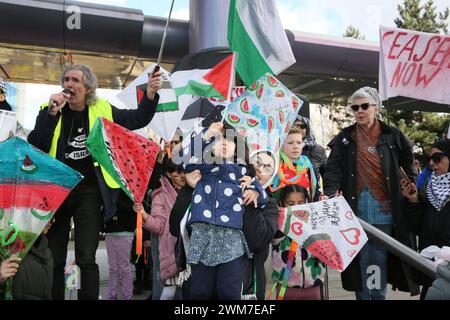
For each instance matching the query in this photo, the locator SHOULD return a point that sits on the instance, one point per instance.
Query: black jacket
(395, 150)
(4, 105)
(259, 227)
(125, 218)
(34, 279)
(42, 135)
(318, 157)
(184, 198)
(432, 227)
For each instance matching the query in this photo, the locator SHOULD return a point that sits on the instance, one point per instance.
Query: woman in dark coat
(428, 212)
(393, 150)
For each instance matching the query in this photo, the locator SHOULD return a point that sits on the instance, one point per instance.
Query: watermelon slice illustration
(255, 146)
(252, 122)
(128, 157)
(288, 127)
(303, 215)
(281, 116)
(41, 214)
(254, 86)
(243, 132)
(280, 94)
(321, 246)
(28, 165)
(270, 123)
(295, 102)
(233, 119)
(18, 245)
(273, 82)
(259, 92)
(244, 106)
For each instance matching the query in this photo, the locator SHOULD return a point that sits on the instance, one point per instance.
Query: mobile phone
(404, 175)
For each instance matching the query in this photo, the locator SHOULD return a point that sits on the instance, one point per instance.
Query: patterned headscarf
(374, 94)
(309, 140)
(438, 189)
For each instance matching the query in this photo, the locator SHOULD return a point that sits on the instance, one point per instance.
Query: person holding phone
(428, 211)
(364, 164)
(61, 130)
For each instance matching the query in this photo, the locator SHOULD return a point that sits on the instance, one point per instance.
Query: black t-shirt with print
(76, 154)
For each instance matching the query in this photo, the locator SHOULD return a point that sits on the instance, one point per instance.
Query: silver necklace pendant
(371, 149)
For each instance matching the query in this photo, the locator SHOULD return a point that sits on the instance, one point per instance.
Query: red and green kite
(128, 157)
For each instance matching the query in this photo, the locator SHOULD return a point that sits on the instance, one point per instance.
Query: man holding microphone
(61, 130)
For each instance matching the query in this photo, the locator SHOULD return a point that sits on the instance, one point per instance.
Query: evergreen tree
(413, 16)
(353, 32)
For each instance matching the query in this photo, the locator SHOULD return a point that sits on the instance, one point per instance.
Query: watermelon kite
(128, 157)
(328, 229)
(32, 187)
(264, 114)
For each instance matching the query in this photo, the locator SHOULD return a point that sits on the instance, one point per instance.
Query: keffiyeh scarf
(438, 190)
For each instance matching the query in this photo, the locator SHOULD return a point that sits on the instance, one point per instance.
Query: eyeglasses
(364, 106)
(437, 156)
(303, 126)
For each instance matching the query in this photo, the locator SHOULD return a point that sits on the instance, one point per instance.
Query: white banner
(328, 229)
(7, 124)
(414, 64)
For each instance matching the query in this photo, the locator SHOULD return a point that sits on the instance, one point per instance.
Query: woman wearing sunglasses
(429, 209)
(364, 164)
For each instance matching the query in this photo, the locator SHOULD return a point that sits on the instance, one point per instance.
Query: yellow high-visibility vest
(101, 108)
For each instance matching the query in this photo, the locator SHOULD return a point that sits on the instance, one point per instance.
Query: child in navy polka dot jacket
(217, 247)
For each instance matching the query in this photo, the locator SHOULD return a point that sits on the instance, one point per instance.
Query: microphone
(55, 104)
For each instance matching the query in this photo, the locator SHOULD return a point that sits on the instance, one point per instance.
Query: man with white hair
(61, 130)
(364, 165)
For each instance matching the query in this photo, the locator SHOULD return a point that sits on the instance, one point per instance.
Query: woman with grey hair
(364, 165)
(62, 128)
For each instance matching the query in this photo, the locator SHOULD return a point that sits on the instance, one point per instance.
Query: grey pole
(208, 21)
(397, 248)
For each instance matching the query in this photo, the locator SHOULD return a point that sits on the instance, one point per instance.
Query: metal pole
(397, 248)
(163, 42)
(208, 22)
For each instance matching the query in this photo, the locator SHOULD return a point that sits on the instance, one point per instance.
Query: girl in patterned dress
(297, 274)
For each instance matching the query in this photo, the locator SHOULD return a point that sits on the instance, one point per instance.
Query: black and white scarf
(438, 190)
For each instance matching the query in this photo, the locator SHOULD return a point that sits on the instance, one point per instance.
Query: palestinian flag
(211, 83)
(256, 33)
(167, 98)
(168, 114)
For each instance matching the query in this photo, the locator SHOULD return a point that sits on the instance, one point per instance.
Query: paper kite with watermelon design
(128, 157)
(32, 187)
(264, 114)
(328, 229)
